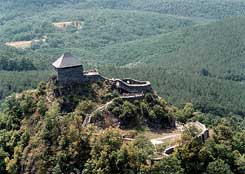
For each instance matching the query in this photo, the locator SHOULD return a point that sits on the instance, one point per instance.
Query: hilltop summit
(70, 71)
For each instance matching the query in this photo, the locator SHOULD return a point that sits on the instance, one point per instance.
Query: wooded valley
(192, 52)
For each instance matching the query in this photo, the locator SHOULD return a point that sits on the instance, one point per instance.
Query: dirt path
(163, 139)
(156, 141)
(87, 119)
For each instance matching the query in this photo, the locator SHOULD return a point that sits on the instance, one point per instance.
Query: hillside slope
(208, 9)
(42, 121)
(101, 27)
(218, 47)
(202, 64)
(43, 131)
(209, 94)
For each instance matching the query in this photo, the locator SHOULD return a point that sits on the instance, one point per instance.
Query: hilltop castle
(69, 70)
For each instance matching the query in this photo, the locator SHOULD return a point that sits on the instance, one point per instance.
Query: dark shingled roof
(66, 61)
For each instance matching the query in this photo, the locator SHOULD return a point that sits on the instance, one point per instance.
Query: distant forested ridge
(213, 9)
(188, 49)
(192, 52)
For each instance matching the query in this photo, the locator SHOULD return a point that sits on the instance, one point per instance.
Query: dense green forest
(211, 9)
(39, 135)
(207, 93)
(192, 52)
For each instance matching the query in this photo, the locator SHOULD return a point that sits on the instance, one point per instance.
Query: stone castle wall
(93, 77)
(202, 137)
(70, 75)
(76, 75)
(134, 82)
(132, 86)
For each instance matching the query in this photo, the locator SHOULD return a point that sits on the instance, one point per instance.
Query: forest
(192, 52)
(39, 135)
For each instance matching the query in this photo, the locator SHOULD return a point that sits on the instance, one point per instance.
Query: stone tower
(69, 69)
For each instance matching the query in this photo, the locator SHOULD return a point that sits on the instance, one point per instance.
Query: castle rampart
(70, 70)
(132, 86)
(202, 137)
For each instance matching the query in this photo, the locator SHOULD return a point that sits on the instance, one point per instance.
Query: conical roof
(66, 61)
